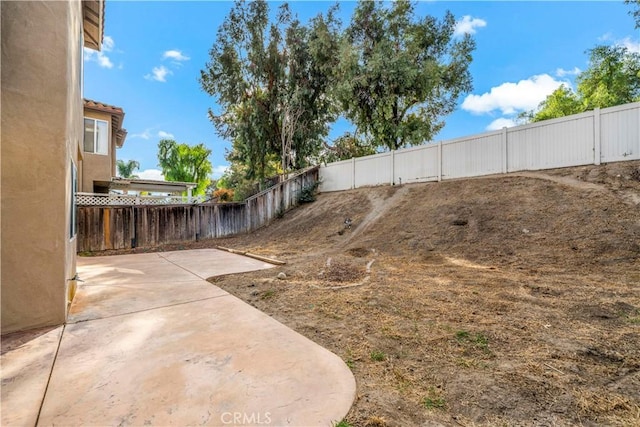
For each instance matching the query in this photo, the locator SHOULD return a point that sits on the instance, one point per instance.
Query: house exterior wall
(98, 167)
(42, 113)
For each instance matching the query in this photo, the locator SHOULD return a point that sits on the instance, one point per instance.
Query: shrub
(308, 193)
(224, 194)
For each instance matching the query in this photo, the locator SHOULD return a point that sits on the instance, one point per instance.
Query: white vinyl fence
(599, 136)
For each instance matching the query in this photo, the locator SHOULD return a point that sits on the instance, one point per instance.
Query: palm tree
(125, 170)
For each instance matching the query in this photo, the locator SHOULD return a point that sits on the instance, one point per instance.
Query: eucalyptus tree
(401, 74)
(271, 82)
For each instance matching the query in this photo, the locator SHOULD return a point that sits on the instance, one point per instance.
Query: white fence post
(393, 167)
(353, 173)
(505, 152)
(597, 143)
(439, 161)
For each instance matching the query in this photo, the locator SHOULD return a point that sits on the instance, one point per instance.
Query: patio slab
(26, 363)
(149, 348)
(207, 263)
(195, 364)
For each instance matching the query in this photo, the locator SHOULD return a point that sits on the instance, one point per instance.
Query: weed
(378, 356)
(268, 294)
(434, 400)
(478, 340)
(342, 423)
(462, 335)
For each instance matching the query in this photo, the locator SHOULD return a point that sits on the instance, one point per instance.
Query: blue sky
(153, 52)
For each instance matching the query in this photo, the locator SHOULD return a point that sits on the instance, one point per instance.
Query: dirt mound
(503, 300)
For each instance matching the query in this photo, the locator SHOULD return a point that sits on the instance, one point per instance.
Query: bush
(224, 195)
(308, 193)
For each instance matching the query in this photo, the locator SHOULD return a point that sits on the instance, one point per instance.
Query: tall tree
(185, 163)
(612, 78)
(400, 74)
(126, 170)
(270, 81)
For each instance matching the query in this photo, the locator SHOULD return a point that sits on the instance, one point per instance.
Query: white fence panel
(475, 156)
(551, 144)
(416, 164)
(620, 133)
(337, 176)
(373, 170)
(608, 135)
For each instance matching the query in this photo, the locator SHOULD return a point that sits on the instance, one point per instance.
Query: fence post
(393, 167)
(505, 152)
(353, 173)
(439, 161)
(597, 143)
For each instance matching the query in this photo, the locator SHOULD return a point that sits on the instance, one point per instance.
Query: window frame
(95, 136)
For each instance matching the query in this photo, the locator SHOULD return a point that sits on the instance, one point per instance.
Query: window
(96, 135)
(74, 189)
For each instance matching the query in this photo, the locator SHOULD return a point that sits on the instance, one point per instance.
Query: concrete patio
(149, 342)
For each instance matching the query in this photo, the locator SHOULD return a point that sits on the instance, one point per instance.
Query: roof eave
(93, 23)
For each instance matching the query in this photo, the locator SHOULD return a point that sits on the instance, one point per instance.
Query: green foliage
(271, 82)
(562, 102)
(343, 423)
(308, 193)
(185, 163)
(400, 74)
(612, 78)
(125, 170)
(345, 147)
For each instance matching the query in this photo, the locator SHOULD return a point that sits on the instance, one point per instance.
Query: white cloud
(107, 44)
(144, 135)
(176, 55)
(561, 72)
(154, 174)
(500, 123)
(468, 25)
(510, 98)
(218, 171)
(159, 74)
(165, 135)
(631, 45)
(100, 58)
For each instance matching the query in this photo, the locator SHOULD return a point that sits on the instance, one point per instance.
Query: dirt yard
(508, 300)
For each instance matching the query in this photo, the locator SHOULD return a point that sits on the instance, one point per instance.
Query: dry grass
(527, 314)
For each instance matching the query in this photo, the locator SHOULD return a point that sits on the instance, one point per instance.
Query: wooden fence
(124, 227)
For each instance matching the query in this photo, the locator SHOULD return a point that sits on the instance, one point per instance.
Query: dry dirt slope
(507, 300)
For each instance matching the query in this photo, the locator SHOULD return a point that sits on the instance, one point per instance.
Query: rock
(281, 275)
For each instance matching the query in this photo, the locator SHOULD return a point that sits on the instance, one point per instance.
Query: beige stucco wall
(98, 167)
(41, 132)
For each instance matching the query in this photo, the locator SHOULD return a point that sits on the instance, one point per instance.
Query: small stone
(282, 275)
